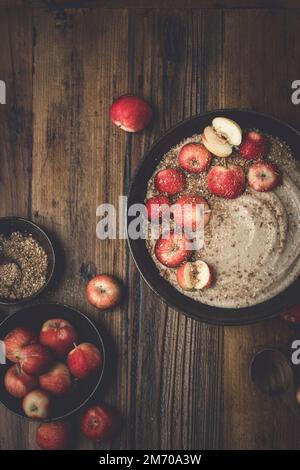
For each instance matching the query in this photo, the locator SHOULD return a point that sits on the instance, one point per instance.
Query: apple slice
(184, 277)
(195, 275)
(202, 275)
(228, 129)
(215, 143)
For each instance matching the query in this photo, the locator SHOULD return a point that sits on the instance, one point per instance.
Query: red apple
(84, 360)
(58, 335)
(18, 383)
(35, 359)
(130, 113)
(99, 423)
(53, 436)
(298, 394)
(36, 404)
(292, 315)
(15, 340)
(227, 182)
(104, 291)
(57, 380)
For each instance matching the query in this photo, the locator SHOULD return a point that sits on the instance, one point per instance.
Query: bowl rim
(100, 379)
(8, 303)
(205, 307)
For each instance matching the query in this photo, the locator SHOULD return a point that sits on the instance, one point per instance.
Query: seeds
(32, 260)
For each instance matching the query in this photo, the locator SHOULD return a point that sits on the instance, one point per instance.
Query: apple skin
(298, 394)
(35, 359)
(15, 340)
(130, 113)
(104, 291)
(57, 380)
(59, 336)
(84, 360)
(54, 436)
(99, 423)
(36, 404)
(292, 315)
(18, 383)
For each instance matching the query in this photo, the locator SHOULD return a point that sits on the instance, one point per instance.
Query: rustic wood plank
(78, 159)
(258, 68)
(176, 362)
(15, 115)
(178, 383)
(15, 154)
(142, 4)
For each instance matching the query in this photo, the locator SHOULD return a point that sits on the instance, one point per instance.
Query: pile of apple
(224, 180)
(44, 366)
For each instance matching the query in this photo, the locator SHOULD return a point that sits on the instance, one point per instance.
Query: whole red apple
(57, 380)
(100, 422)
(36, 404)
(35, 359)
(130, 113)
(84, 360)
(54, 436)
(292, 315)
(18, 383)
(15, 340)
(104, 291)
(59, 336)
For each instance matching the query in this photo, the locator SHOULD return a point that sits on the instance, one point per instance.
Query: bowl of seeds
(27, 260)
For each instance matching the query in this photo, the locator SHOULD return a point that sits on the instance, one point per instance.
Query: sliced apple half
(195, 275)
(228, 129)
(215, 143)
(184, 277)
(202, 275)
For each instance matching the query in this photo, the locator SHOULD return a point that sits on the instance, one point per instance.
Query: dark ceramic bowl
(33, 318)
(144, 262)
(8, 225)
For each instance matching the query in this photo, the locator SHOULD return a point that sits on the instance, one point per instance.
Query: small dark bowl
(139, 252)
(33, 318)
(8, 225)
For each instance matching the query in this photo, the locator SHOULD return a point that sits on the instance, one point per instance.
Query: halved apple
(202, 275)
(184, 277)
(195, 275)
(228, 129)
(215, 143)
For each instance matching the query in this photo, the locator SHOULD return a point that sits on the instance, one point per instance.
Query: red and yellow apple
(104, 291)
(17, 339)
(84, 360)
(54, 436)
(99, 422)
(36, 404)
(18, 383)
(57, 380)
(130, 113)
(35, 359)
(59, 336)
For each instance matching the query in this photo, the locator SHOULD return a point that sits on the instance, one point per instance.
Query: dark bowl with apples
(32, 318)
(138, 248)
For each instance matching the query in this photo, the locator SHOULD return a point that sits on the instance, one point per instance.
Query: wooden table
(179, 384)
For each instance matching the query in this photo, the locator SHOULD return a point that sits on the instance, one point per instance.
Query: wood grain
(53, 5)
(15, 153)
(178, 384)
(263, 84)
(79, 157)
(166, 70)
